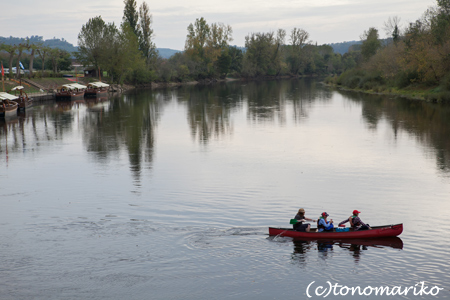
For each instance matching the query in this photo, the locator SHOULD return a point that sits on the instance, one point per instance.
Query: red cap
(356, 212)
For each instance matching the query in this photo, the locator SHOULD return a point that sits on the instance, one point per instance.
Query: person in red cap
(355, 222)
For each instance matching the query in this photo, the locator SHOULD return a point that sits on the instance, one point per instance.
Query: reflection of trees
(30, 129)
(130, 120)
(209, 109)
(428, 123)
(267, 100)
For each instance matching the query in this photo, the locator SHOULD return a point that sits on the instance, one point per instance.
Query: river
(168, 194)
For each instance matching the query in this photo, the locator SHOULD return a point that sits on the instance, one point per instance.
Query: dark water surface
(168, 194)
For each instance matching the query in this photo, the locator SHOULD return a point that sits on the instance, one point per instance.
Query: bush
(143, 76)
(445, 83)
(406, 78)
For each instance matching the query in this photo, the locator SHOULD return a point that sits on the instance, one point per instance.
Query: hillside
(166, 52)
(343, 47)
(34, 39)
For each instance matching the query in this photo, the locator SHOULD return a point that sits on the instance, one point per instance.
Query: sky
(326, 21)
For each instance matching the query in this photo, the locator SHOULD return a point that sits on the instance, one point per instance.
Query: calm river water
(168, 194)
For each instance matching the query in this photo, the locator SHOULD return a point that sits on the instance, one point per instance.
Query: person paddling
(355, 222)
(323, 224)
(300, 217)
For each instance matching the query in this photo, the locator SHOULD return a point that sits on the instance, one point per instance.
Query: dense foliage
(417, 57)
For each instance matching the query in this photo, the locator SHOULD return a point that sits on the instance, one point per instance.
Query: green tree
(205, 44)
(43, 52)
(131, 16)
(236, 56)
(146, 44)
(296, 58)
(11, 50)
(20, 48)
(223, 64)
(91, 43)
(125, 56)
(370, 43)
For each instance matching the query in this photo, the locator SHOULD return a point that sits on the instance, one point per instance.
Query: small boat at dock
(375, 232)
(97, 89)
(70, 91)
(8, 106)
(23, 100)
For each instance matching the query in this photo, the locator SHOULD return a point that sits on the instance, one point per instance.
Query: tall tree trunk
(11, 56)
(19, 55)
(31, 62)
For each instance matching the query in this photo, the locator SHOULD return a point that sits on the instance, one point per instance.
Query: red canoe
(375, 232)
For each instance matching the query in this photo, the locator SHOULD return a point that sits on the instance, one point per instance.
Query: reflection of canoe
(391, 241)
(375, 232)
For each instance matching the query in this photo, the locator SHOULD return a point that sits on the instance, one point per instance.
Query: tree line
(416, 56)
(417, 53)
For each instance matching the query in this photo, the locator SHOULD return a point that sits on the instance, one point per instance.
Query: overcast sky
(327, 21)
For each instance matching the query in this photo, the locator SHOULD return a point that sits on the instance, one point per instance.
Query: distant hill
(343, 47)
(65, 45)
(166, 52)
(34, 39)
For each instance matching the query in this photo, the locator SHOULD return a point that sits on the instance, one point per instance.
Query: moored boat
(8, 107)
(96, 89)
(23, 100)
(375, 232)
(70, 91)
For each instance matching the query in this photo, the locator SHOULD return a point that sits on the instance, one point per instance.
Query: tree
(96, 43)
(131, 16)
(440, 22)
(236, 56)
(196, 38)
(298, 39)
(392, 28)
(11, 49)
(125, 55)
(20, 48)
(42, 52)
(264, 55)
(205, 44)
(223, 64)
(146, 44)
(259, 53)
(370, 43)
(34, 48)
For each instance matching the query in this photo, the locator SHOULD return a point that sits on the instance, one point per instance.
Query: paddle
(295, 221)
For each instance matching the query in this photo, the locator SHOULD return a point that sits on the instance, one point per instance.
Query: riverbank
(415, 92)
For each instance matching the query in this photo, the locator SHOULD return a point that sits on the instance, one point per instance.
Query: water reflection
(355, 247)
(129, 121)
(429, 123)
(267, 101)
(209, 110)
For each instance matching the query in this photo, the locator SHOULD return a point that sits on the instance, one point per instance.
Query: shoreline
(418, 94)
